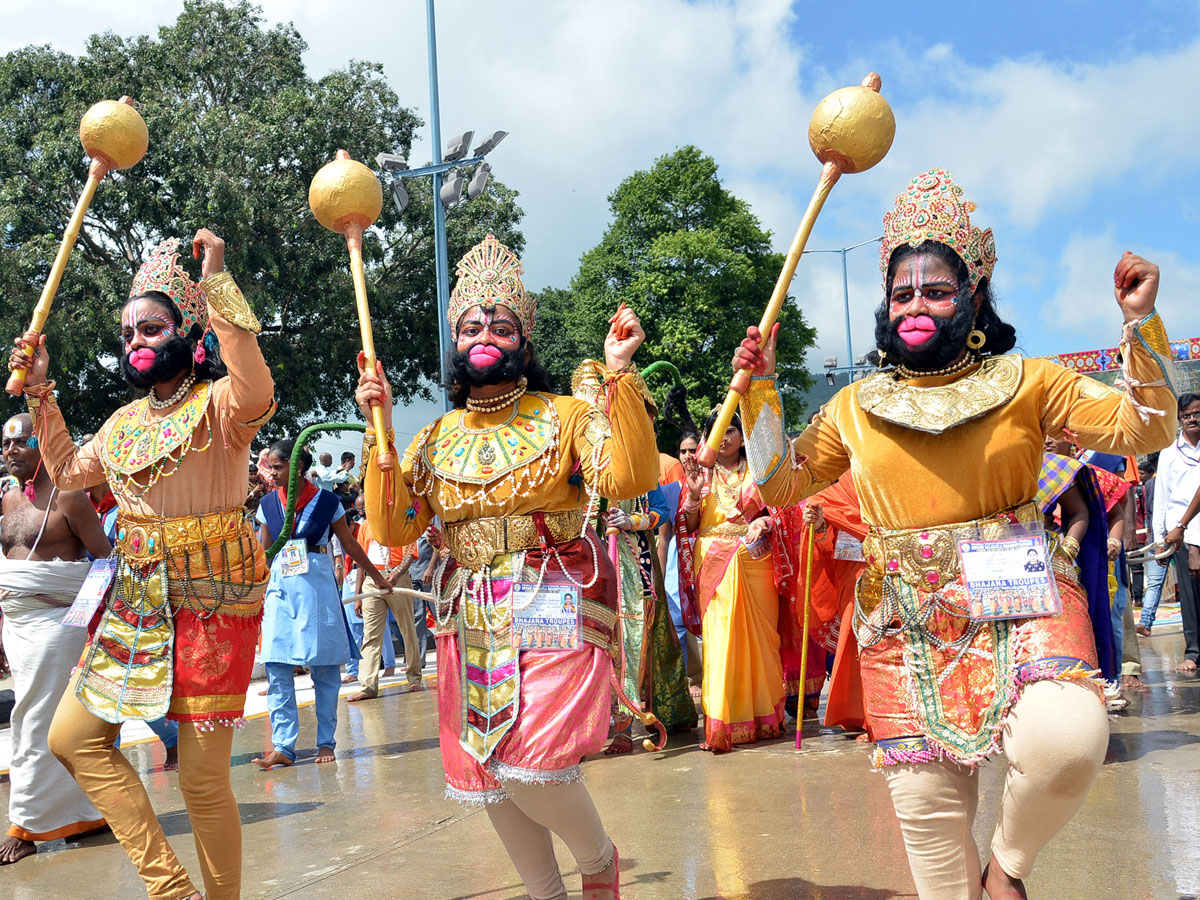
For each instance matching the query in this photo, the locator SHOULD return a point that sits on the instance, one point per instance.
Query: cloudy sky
(1072, 124)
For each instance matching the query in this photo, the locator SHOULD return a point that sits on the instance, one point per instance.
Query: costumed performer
(509, 472)
(947, 444)
(187, 594)
(732, 571)
(47, 535)
(304, 622)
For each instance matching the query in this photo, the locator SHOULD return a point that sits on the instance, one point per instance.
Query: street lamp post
(443, 192)
(850, 364)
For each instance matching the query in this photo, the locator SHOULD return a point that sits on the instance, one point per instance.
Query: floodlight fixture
(478, 181)
(831, 362)
(391, 162)
(399, 195)
(830, 379)
(452, 188)
(490, 143)
(458, 146)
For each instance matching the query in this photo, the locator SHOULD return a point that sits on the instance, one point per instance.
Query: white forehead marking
(14, 428)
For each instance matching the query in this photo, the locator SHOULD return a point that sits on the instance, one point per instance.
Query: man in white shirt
(322, 475)
(1176, 484)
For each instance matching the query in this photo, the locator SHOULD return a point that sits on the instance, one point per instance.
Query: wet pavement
(764, 823)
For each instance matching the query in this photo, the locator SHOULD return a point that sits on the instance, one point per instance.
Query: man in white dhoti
(46, 535)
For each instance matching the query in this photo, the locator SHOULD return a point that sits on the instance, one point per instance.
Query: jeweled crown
(490, 275)
(932, 209)
(162, 273)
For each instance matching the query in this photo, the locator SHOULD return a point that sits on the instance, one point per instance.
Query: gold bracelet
(227, 299)
(1070, 547)
(369, 437)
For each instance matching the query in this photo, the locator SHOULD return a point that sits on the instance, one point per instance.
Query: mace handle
(354, 233)
(830, 173)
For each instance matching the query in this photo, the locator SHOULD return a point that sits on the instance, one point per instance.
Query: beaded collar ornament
(932, 209)
(162, 273)
(490, 275)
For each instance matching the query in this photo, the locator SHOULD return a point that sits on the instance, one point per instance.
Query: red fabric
(308, 490)
(106, 504)
(1112, 487)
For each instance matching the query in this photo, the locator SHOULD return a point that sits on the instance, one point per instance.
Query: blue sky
(1073, 125)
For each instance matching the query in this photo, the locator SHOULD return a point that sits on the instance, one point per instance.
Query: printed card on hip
(1008, 574)
(91, 593)
(546, 616)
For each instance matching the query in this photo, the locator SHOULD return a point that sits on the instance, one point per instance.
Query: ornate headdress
(490, 275)
(162, 273)
(932, 209)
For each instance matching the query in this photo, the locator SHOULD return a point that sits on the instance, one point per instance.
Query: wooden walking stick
(114, 135)
(346, 197)
(850, 131)
(808, 532)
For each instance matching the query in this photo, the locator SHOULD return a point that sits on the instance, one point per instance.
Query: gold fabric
(226, 298)
(477, 542)
(144, 540)
(139, 437)
(908, 478)
(936, 409)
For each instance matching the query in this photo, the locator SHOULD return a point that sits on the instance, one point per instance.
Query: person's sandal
(605, 884)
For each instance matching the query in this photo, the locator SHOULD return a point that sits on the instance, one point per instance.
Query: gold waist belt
(926, 558)
(725, 529)
(476, 542)
(142, 540)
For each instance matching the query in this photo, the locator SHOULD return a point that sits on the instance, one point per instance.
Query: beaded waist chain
(476, 542)
(145, 540)
(926, 558)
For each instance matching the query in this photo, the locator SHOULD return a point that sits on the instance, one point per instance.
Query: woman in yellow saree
(743, 690)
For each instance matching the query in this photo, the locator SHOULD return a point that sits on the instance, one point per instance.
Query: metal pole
(439, 212)
(846, 301)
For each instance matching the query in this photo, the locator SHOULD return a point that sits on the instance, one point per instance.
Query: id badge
(848, 547)
(545, 617)
(294, 558)
(91, 593)
(1009, 575)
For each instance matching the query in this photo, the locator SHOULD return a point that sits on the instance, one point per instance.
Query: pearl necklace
(492, 404)
(180, 393)
(966, 362)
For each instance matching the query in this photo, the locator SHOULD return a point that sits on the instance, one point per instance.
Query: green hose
(662, 365)
(289, 513)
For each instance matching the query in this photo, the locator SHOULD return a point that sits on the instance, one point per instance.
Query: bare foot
(271, 760)
(1188, 667)
(360, 696)
(1143, 631)
(621, 743)
(13, 849)
(172, 761)
(705, 745)
(1001, 886)
(389, 671)
(324, 754)
(349, 679)
(695, 692)
(415, 688)
(1134, 684)
(263, 692)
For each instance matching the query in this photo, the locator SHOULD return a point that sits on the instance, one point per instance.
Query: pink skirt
(563, 716)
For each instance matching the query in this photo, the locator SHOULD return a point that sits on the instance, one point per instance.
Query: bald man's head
(20, 448)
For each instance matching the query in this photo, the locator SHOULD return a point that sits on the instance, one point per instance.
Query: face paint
(13, 429)
(914, 281)
(484, 334)
(145, 320)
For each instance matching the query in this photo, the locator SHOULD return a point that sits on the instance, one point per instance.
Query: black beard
(947, 344)
(463, 371)
(170, 359)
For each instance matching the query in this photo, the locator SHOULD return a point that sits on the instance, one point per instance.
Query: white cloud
(1083, 311)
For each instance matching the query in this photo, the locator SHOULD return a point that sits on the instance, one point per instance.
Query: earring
(976, 339)
(882, 357)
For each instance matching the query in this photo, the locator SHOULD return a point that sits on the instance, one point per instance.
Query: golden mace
(346, 197)
(850, 131)
(114, 135)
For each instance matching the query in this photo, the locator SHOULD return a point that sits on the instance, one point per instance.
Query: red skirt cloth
(924, 702)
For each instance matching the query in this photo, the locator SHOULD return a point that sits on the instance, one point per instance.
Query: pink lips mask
(916, 330)
(142, 359)
(484, 355)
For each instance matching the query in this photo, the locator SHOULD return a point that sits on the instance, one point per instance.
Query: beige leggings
(84, 744)
(1055, 739)
(525, 821)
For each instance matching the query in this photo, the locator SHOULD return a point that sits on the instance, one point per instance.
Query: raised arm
(247, 399)
(786, 472)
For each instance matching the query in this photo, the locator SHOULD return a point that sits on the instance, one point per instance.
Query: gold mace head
(853, 127)
(114, 133)
(344, 192)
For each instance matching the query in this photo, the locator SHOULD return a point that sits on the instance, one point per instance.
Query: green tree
(237, 130)
(695, 264)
